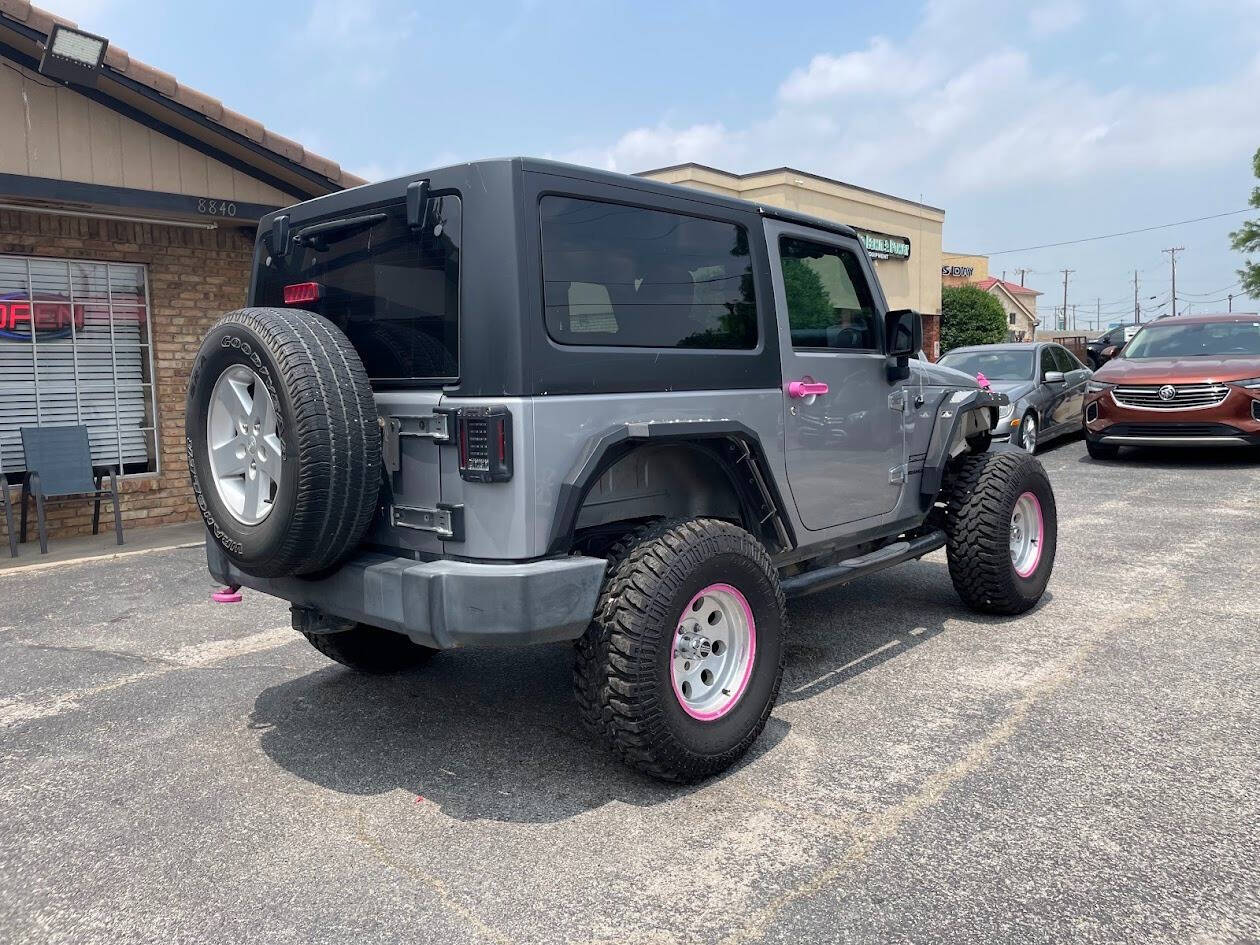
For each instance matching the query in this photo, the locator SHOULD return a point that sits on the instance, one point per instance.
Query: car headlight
(1252, 383)
(1004, 412)
(1097, 387)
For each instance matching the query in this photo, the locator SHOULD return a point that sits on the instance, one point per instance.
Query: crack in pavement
(33, 706)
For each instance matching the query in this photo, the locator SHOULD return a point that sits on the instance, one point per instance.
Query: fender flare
(949, 435)
(729, 442)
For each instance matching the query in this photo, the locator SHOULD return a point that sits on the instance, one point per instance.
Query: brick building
(128, 204)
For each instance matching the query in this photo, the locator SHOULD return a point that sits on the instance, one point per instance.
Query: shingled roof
(121, 66)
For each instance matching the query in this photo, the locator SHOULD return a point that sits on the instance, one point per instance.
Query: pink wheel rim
(714, 649)
(1028, 530)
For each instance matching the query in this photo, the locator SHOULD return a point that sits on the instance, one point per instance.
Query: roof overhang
(227, 137)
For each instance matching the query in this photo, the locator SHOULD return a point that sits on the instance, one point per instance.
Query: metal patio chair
(8, 511)
(59, 464)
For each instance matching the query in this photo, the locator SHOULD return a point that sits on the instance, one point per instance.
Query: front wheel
(681, 666)
(1101, 450)
(1028, 433)
(1002, 529)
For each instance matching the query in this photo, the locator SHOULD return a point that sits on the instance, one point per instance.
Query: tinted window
(997, 364)
(1063, 358)
(829, 303)
(1195, 339)
(625, 276)
(1047, 361)
(393, 292)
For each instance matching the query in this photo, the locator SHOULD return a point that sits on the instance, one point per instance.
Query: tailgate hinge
(434, 426)
(445, 521)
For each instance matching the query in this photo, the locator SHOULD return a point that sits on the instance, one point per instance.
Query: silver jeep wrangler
(515, 401)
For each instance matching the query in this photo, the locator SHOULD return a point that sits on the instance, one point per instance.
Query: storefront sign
(50, 320)
(961, 272)
(883, 246)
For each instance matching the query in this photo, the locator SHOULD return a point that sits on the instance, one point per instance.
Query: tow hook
(227, 595)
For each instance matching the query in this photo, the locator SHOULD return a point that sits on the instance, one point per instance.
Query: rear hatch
(392, 285)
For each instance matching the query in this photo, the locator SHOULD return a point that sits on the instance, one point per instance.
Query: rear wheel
(1002, 529)
(371, 649)
(681, 666)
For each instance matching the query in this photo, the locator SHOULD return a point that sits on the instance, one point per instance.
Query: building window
(75, 348)
(630, 277)
(1012, 318)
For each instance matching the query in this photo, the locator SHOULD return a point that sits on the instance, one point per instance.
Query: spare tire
(284, 444)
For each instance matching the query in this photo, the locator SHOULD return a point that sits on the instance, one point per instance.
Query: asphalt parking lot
(175, 771)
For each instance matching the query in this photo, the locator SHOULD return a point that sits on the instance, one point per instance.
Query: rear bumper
(444, 604)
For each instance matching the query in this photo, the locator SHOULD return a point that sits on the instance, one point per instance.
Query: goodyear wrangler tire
(681, 665)
(283, 441)
(1002, 528)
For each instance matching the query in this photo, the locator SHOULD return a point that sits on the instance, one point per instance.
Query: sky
(1028, 122)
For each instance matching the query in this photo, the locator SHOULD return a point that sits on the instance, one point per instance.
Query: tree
(1247, 239)
(807, 297)
(970, 316)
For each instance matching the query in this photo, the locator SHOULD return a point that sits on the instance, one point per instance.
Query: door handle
(807, 387)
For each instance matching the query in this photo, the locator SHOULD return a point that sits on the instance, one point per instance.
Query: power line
(1108, 236)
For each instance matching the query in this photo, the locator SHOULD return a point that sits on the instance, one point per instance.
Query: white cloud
(880, 68)
(950, 109)
(354, 41)
(1057, 16)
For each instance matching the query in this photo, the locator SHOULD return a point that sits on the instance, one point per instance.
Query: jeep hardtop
(515, 401)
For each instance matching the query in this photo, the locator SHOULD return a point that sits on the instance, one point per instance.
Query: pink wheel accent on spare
(1029, 569)
(743, 673)
(227, 595)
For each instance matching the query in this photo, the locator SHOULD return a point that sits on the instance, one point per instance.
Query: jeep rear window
(631, 277)
(395, 293)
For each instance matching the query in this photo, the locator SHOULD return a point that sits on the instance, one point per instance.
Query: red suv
(1185, 381)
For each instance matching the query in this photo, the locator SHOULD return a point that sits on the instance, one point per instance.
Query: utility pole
(1137, 306)
(1022, 273)
(1066, 273)
(1172, 256)
(1073, 317)
(1098, 312)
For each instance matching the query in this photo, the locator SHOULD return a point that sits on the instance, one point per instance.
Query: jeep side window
(829, 303)
(632, 277)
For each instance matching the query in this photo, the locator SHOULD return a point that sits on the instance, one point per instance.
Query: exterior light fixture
(73, 56)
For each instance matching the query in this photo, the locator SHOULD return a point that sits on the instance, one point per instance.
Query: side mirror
(1054, 377)
(1109, 352)
(903, 338)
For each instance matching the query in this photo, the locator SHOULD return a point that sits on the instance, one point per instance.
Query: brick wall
(195, 275)
(932, 336)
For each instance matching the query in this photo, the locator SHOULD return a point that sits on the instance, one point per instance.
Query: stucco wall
(913, 283)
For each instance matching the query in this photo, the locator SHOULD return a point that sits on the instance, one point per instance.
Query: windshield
(394, 292)
(997, 365)
(1196, 340)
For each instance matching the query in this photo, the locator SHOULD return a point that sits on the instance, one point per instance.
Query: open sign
(22, 319)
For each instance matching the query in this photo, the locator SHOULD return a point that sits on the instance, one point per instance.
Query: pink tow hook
(227, 595)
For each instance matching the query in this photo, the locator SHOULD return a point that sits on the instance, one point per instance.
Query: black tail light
(485, 443)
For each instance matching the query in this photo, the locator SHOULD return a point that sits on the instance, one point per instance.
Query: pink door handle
(806, 388)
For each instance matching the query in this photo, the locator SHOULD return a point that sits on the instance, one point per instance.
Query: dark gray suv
(515, 401)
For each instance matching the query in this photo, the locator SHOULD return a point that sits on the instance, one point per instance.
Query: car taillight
(485, 444)
(301, 292)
